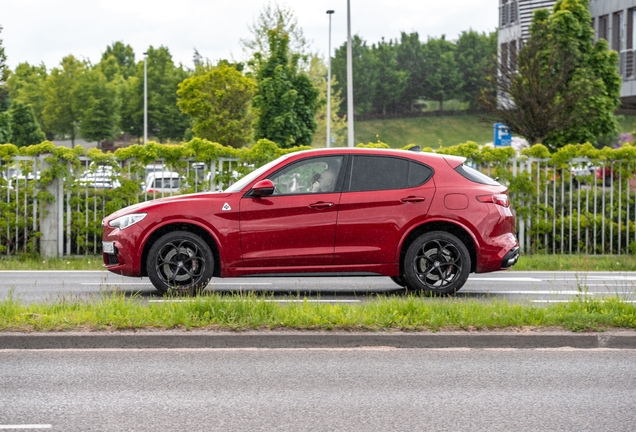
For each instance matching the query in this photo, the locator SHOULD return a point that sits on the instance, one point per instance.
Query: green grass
(576, 263)
(410, 313)
(90, 262)
(435, 131)
(425, 131)
(525, 263)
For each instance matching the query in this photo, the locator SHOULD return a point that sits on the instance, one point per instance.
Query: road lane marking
(506, 279)
(26, 426)
(568, 301)
(149, 283)
(565, 292)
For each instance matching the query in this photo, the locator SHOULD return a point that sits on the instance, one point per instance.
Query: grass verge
(245, 312)
(526, 262)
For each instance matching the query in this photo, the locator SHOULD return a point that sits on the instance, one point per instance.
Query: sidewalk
(172, 339)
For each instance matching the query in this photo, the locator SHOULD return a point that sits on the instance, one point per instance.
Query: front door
(296, 226)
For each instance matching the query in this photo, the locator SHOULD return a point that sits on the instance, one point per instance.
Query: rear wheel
(180, 262)
(436, 263)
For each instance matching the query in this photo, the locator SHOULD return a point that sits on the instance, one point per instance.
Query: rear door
(382, 196)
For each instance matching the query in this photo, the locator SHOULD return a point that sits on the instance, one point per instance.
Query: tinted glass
(378, 173)
(314, 175)
(475, 176)
(418, 174)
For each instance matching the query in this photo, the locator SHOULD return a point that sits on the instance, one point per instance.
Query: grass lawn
(526, 262)
(440, 131)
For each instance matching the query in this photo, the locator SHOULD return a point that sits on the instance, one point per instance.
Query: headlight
(126, 221)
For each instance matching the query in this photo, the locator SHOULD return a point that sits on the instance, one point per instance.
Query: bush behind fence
(576, 200)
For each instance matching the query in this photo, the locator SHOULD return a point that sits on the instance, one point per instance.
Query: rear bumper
(510, 258)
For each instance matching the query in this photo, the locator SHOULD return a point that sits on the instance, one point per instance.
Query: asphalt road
(365, 389)
(540, 287)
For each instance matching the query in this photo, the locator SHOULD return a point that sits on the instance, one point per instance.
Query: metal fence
(580, 208)
(74, 206)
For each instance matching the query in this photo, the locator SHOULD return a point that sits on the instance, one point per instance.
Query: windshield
(240, 184)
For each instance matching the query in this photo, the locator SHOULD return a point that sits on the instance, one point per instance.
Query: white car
(163, 182)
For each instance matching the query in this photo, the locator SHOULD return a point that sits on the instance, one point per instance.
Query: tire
(180, 262)
(399, 280)
(436, 263)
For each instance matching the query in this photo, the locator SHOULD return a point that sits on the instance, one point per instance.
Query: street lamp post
(329, 12)
(349, 79)
(145, 97)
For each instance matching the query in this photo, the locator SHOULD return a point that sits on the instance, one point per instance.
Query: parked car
(163, 182)
(100, 179)
(424, 219)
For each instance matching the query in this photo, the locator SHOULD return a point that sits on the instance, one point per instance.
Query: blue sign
(503, 136)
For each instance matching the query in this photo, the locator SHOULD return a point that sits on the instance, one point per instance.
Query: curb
(297, 339)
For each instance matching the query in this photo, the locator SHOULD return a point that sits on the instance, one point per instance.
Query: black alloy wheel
(180, 262)
(436, 263)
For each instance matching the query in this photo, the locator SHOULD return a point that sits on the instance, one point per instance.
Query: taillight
(499, 199)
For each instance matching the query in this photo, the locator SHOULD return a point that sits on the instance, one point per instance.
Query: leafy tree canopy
(286, 99)
(24, 126)
(219, 104)
(562, 88)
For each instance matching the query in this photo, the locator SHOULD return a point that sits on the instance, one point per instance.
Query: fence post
(49, 224)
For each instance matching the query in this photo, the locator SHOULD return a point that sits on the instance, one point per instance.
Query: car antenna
(415, 149)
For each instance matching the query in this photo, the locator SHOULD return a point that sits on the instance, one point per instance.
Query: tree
(125, 57)
(563, 88)
(5, 127)
(24, 126)
(97, 103)
(165, 120)
(4, 75)
(27, 85)
(60, 114)
(286, 99)
(219, 104)
(365, 75)
(391, 81)
(318, 74)
(410, 58)
(274, 16)
(441, 74)
(476, 57)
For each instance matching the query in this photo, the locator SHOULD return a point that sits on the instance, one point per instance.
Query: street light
(145, 97)
(349, 79)
(329, 12)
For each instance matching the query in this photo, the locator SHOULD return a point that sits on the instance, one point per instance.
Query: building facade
(612, 20)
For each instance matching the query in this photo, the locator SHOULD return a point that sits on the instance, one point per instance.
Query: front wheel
(436, 263)
(180, 262)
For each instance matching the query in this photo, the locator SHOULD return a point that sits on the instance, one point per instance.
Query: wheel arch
(181, 226)
(452, 228)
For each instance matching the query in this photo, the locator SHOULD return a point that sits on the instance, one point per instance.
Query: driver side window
(315, 175)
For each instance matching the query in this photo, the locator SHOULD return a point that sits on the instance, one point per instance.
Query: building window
(617, 23)
(504, 57)
(630, 40)
(503, 13)
(602, 27)
(512, 56)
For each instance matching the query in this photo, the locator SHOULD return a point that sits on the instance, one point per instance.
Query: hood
(176, 200)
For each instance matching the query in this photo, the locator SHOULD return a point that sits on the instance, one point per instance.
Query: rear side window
(475, 176)
(370, 173)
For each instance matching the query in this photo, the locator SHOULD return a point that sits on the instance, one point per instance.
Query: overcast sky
(37, 31)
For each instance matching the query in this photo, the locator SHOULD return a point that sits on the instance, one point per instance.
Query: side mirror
(263, 188)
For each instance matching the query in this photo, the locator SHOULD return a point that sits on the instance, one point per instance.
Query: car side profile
(423, 219)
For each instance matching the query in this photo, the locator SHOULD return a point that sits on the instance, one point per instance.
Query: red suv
(425, 220)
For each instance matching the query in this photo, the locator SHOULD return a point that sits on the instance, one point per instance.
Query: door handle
(413, 199)
(321, 205)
